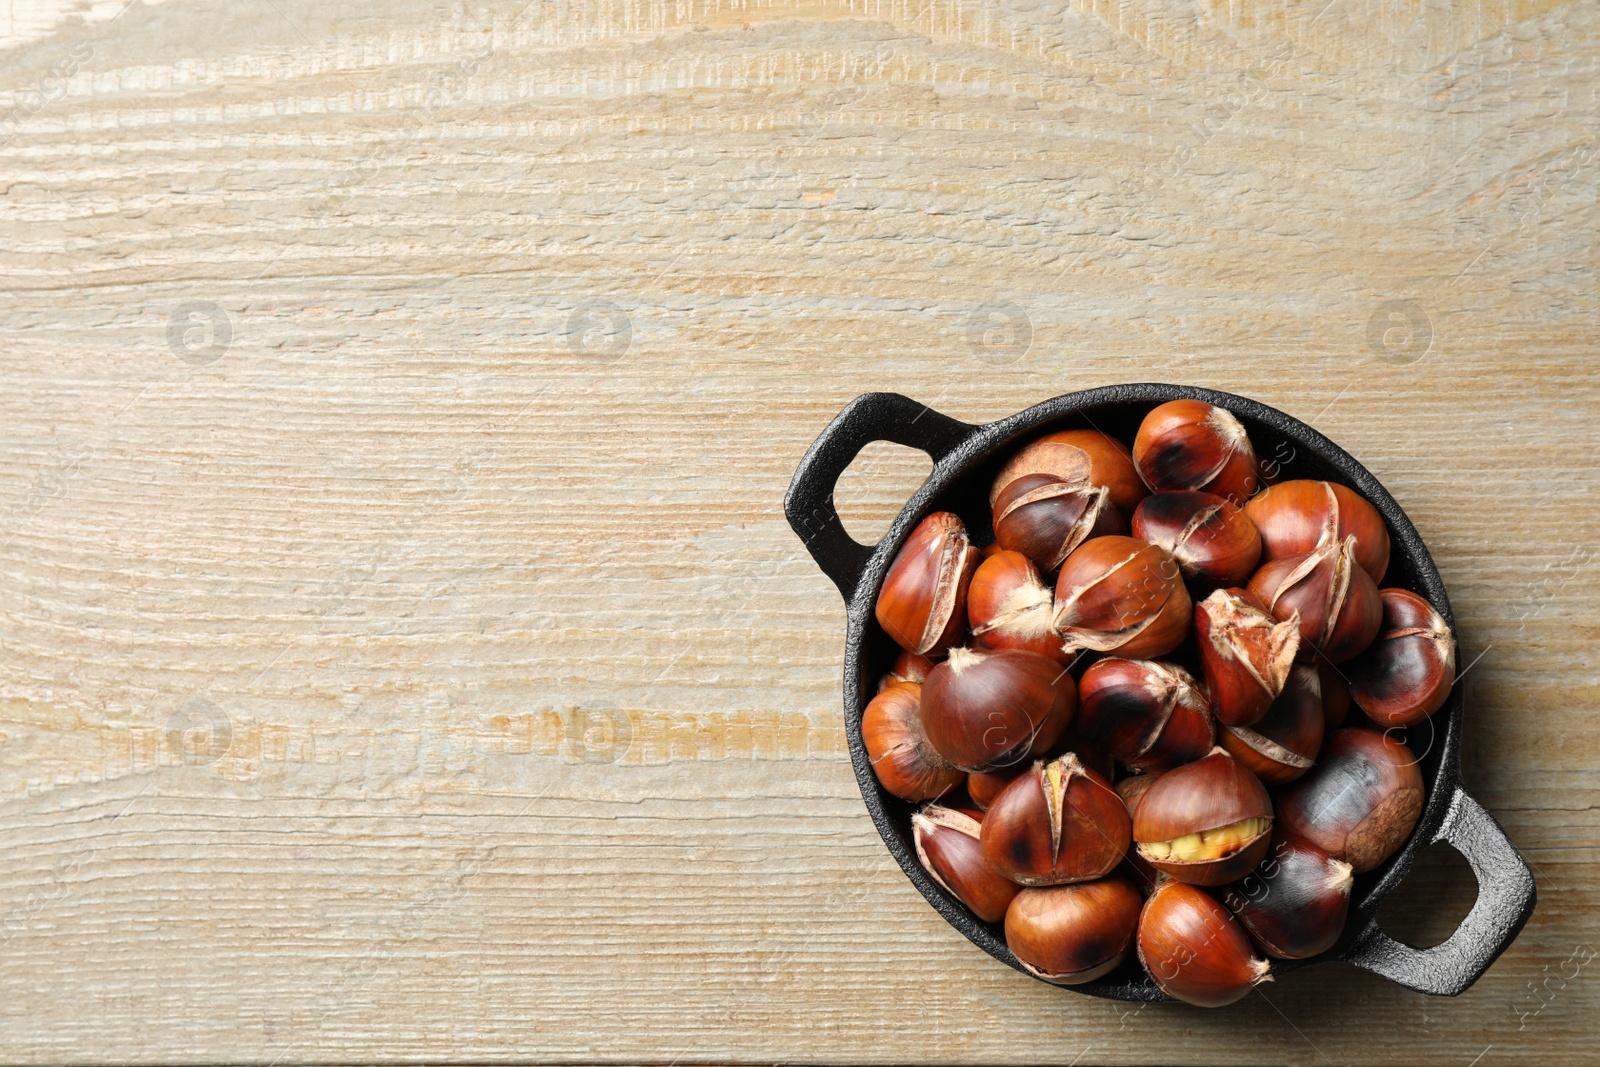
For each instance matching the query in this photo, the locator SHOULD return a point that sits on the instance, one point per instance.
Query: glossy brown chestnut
(1244, 652)
(1407, 673)
(947, 846)
(987, 710)
(923, 602)
(1081, 457)
(907, 667)
(1295, 517)
(1206, 823)
(1045, 518)
(1337, 603)
(1335, 697)
(1010, 606)
(1360, 802)
(1195, 950)
(1150, 715)
(1059, 822)
(1118, 594)
(1283, 744)
(1068, 934)
(1212, 540)
(1295, 902)
(904, 761)
(1190, 444)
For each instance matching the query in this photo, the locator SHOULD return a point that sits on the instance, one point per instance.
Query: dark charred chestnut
(987, 710)
(1059, 822)
(1150, 715)
(1360, 802)
(1069, 934)
(1206, 823)
(1295, 902)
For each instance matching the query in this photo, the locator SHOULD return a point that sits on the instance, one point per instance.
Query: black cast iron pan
(966, 459)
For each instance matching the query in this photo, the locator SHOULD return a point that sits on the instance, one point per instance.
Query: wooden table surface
(403, 654)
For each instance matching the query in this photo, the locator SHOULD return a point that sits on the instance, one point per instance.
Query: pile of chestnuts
(1162, 713)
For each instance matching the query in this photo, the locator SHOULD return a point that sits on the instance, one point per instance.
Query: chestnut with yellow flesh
(1205, 823)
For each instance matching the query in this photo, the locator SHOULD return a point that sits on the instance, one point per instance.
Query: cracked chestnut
(1245, 654)
(1407, 673)
(1151, 715)
(923, 602)
(1283, 744)
(1079, 457)
(947, 846)
(1297, 516)
(1045, 518)
(1212, 540)
(1336, 601)
(1207, 823)
(1058, 822)
(1122, 595)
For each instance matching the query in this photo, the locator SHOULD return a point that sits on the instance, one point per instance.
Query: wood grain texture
(402, 652)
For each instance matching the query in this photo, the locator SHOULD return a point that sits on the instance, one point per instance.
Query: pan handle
(1505, 900)
(809, 503)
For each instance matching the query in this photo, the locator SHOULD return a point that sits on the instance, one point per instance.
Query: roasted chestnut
(1190, 444)
(1207, 822)
(1212, 540)
(1337, 603)
(1045, 518)
(1068, 934)
(1244, 653)
(1150, 715)
(1059, 822)
(907, 667)
(1360, 802)
(1295, 902)
(1295, 517)
(987, 710)
(904, 761)
(1080, 457)
(1407, 673)
(947, 846)
(1195, 950)
(1009, 606)
(923, 602)
(1283, 744)
(1117, 594)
